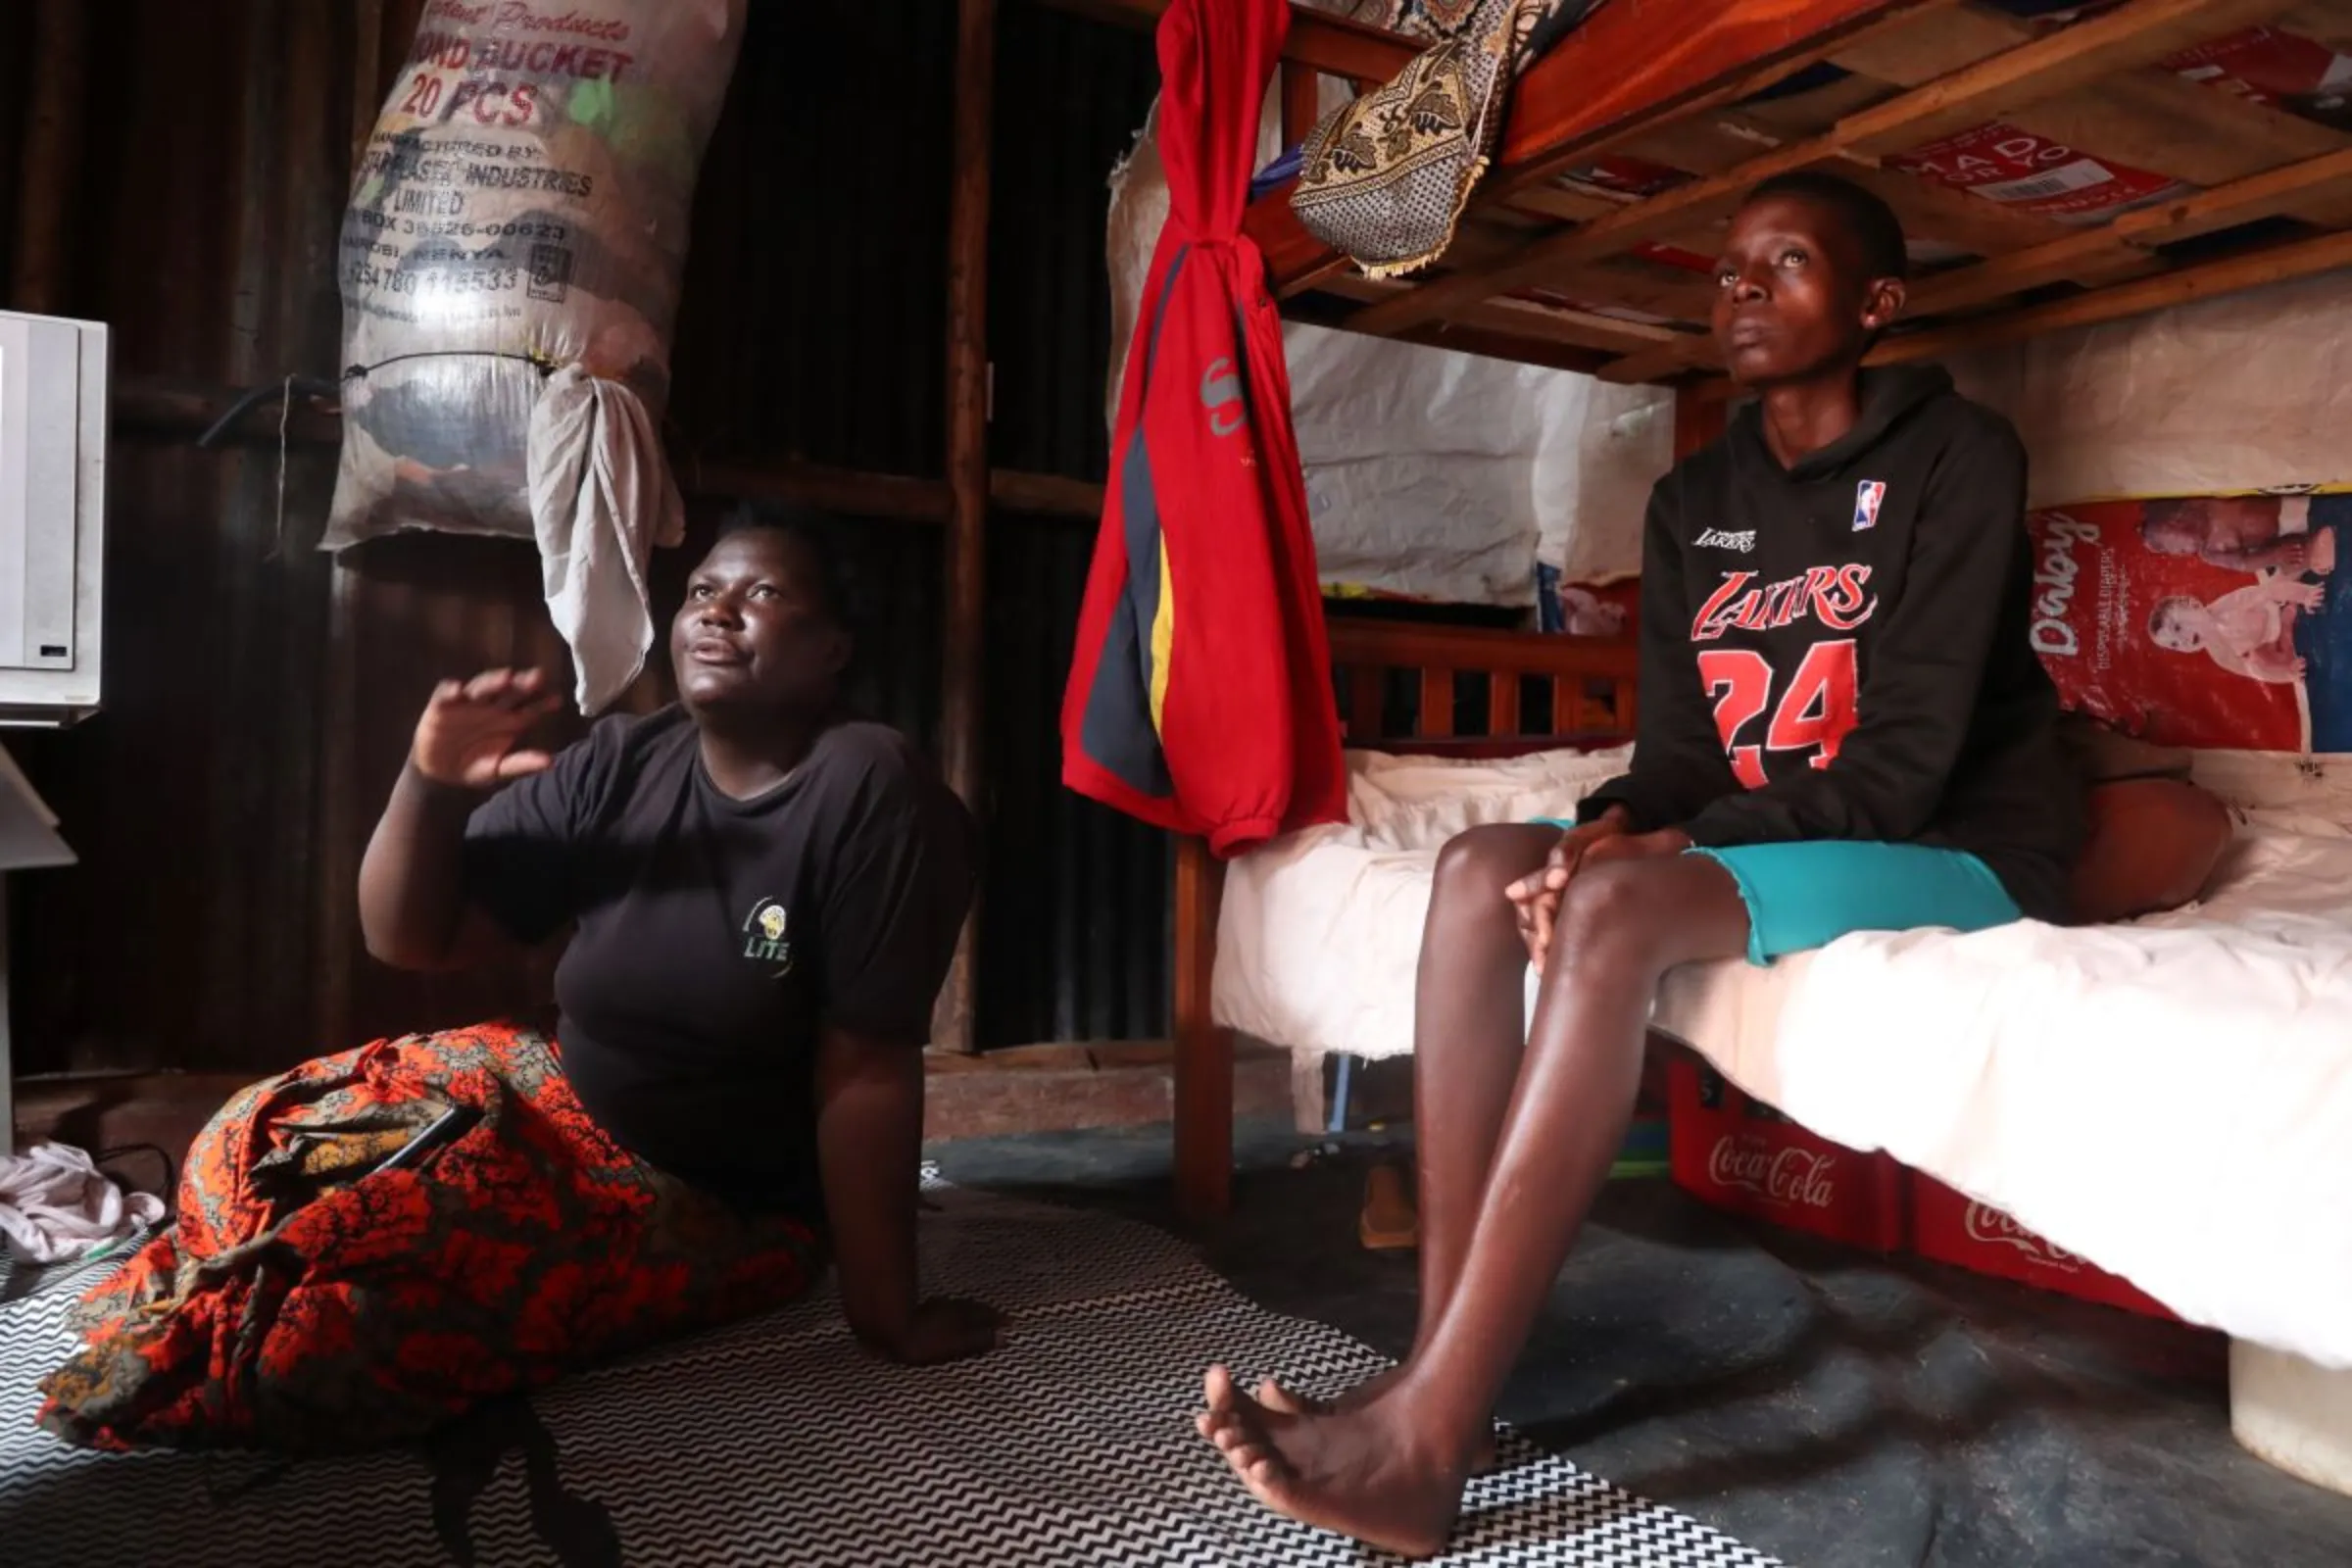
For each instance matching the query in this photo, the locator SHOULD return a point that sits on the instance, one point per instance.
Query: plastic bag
(523, 207)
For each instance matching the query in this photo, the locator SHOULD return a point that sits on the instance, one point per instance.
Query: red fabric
(306, 1300)
(1246, 740)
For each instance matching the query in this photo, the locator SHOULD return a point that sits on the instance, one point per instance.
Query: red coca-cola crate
(1739, 1154)
(1951, 1227)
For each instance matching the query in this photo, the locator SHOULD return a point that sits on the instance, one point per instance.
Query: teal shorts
(1807, 894)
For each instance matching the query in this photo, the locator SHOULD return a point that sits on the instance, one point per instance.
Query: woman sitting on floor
(1844, 727)
(766, 893)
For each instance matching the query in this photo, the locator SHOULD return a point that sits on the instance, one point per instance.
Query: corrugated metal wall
(1075, 945)
(261, 697)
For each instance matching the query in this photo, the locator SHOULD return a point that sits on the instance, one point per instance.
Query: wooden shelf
(1572, 272)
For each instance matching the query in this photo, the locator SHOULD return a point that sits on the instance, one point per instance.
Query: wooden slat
(964, 637)
(1930, 208)
(1631, 283)
(1638, 64)
(1514, 345)
(160, 407)
(2228, 205)
(1567, 701)
(51, 191)
(1045, 495)
(1365, 688)
(1502, 704)
(1295, 261)
(1934, 45)
(843, 491)
(1559, 203)
(1633, 65)
(367, 74)
(1932, 211)
(1690, 351)
(2328, 21)
(2272, 264)
(1302, 100)
(1436, 703)
(1538, 323)
(1411, 644)
(1557, 323)
(2239, 202)
(2162, 122)
(2142, 30)
(2149, 119)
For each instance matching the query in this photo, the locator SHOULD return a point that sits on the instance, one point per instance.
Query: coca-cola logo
(1787, 1175)
(1989, 1225)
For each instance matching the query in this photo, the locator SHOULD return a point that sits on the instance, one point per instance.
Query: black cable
(309, 386)
(545, 367)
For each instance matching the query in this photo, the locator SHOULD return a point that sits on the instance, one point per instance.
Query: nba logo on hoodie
(1867, 495)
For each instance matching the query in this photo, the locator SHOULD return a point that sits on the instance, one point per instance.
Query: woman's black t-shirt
(716, 935)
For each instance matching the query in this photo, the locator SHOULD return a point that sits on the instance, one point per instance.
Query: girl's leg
(1469, 1012)
(1389, 1471)
(1469, 1037)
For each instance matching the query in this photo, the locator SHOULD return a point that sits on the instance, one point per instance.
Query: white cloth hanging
(602, 497)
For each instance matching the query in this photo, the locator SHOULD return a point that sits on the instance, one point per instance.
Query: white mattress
(2171, 1099)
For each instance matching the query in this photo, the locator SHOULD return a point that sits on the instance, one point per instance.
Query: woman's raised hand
(469, 736)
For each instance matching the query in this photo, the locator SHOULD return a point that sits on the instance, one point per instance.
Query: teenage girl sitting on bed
(1844, 727)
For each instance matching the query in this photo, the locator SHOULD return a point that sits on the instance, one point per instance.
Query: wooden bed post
(1203, 1052)
(968, 465)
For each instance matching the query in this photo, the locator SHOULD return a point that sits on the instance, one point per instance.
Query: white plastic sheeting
(2246, 392)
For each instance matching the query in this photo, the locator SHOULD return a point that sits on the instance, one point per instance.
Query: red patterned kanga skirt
(309, 1298)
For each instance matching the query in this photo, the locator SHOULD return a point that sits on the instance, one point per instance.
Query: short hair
(1866, 219)
(819, 535)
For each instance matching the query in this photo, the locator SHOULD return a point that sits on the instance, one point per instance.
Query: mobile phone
(446, 1128)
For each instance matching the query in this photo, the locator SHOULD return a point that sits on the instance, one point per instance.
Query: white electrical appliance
(53, 441)
(53, 437)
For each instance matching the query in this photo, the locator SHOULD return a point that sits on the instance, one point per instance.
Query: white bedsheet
(2170, 1099)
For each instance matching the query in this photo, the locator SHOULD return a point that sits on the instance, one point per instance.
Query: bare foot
(2321, 560)
(1370, 1473)
(1273, 1397)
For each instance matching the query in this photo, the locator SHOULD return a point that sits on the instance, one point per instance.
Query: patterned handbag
(1384, 179)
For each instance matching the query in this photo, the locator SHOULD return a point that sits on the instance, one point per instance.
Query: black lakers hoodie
(1838, 650)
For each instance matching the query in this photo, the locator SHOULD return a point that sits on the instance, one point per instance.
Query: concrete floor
(1834, 1409)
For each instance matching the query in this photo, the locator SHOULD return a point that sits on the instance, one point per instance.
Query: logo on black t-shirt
(1838, 597)
(763, 938)
(1868, 497)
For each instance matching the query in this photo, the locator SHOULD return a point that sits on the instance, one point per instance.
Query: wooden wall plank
(965, 642)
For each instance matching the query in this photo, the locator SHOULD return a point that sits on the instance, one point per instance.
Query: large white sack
(522, 208)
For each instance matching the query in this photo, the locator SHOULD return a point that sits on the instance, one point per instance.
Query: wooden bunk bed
(1561, 260)
(1400, 686)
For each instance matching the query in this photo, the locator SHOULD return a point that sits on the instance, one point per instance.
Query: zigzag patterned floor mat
(777, 1442)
